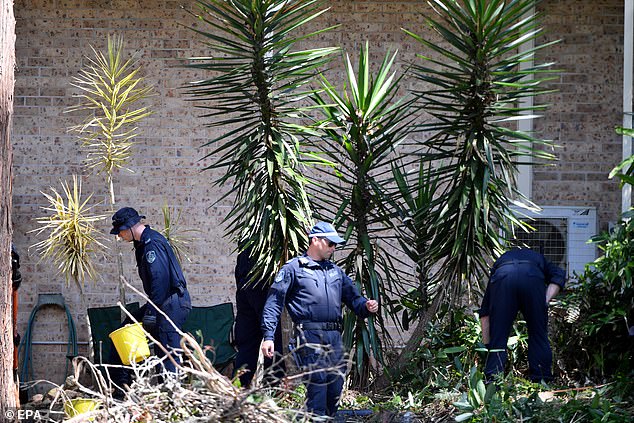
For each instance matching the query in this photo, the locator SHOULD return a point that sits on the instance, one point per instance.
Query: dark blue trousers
(315, 351)
(519, 287)
(248, 337)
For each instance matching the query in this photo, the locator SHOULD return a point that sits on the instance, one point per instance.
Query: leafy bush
(597, 405)
(451, 347)
(443, 377)
(596, 338)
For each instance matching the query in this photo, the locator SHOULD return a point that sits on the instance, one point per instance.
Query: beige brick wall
(53, 36)
(586, 108)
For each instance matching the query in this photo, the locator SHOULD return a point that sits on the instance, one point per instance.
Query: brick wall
(586, 108)
(54, 35)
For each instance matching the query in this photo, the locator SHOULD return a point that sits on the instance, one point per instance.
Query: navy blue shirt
(158, 267)
(541, 270)
(312, 292)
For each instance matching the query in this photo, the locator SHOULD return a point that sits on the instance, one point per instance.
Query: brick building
(54, 35)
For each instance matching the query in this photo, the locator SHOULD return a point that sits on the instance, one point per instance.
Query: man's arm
(483, 313)
(273, 307)
(551, 291)
(353, 299)
(554, 274)
(372, 306)
(486, 333)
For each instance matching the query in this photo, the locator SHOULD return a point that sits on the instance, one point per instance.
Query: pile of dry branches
(196, 393)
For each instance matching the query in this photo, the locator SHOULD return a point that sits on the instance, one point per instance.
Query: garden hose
(44, 300)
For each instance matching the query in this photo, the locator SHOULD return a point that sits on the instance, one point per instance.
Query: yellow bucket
(79, 406)
(131, 343)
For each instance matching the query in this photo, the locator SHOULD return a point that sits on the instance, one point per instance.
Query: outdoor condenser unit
(562, 233)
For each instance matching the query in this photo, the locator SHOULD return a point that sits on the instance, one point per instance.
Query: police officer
(313, 288)
(162, 278)
(524, 280)
(250, 298)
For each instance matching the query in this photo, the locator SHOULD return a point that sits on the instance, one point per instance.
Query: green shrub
(594, 339)
(451, 347)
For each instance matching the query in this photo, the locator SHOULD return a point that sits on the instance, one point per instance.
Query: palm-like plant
(416, 187)
(362, 128)
(179, 238)
(476, 84)
(415, 190)
(253, 95)
(72, 240)
(111, 90)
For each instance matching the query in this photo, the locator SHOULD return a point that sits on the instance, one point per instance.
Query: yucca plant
(180, 239)
(415, 189)
(111, 93)
(363, 125)
(72, 241)
(110, 99)
(474, 86)
(416, 186)
(253, 97)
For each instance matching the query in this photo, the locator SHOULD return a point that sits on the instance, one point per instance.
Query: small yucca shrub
(111, 93)
(178, 237)
(72, 241)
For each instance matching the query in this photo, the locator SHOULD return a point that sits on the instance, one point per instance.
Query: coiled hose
(25, 351)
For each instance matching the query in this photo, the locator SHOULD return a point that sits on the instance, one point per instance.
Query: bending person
(521, 280)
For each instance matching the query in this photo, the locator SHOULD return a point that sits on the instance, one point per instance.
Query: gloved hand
(149, 322)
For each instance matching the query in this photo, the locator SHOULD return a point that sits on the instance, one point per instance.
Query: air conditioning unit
(561, 234)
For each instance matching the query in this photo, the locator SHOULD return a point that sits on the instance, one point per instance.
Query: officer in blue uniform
(313, 289)
(521, 280)
(162, 278)
(250, 298)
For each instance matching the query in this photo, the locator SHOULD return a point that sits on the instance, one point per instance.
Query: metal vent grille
(549, 238)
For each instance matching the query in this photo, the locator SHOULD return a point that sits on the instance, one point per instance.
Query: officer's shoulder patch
(280, 275)
(150, 256)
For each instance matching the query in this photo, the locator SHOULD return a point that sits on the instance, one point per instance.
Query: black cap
(123, 219)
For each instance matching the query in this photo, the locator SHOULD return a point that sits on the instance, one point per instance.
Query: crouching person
(313, 288)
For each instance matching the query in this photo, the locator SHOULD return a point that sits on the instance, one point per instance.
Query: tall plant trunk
(117, 250)
(414, 340)
(8, 389)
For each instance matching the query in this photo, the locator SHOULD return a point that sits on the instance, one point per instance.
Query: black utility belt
(338, 326)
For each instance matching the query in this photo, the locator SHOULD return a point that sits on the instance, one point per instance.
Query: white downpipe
(628, 83)
(525, 171)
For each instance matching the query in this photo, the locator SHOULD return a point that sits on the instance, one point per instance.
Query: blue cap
(326, 230)
(123, 219)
